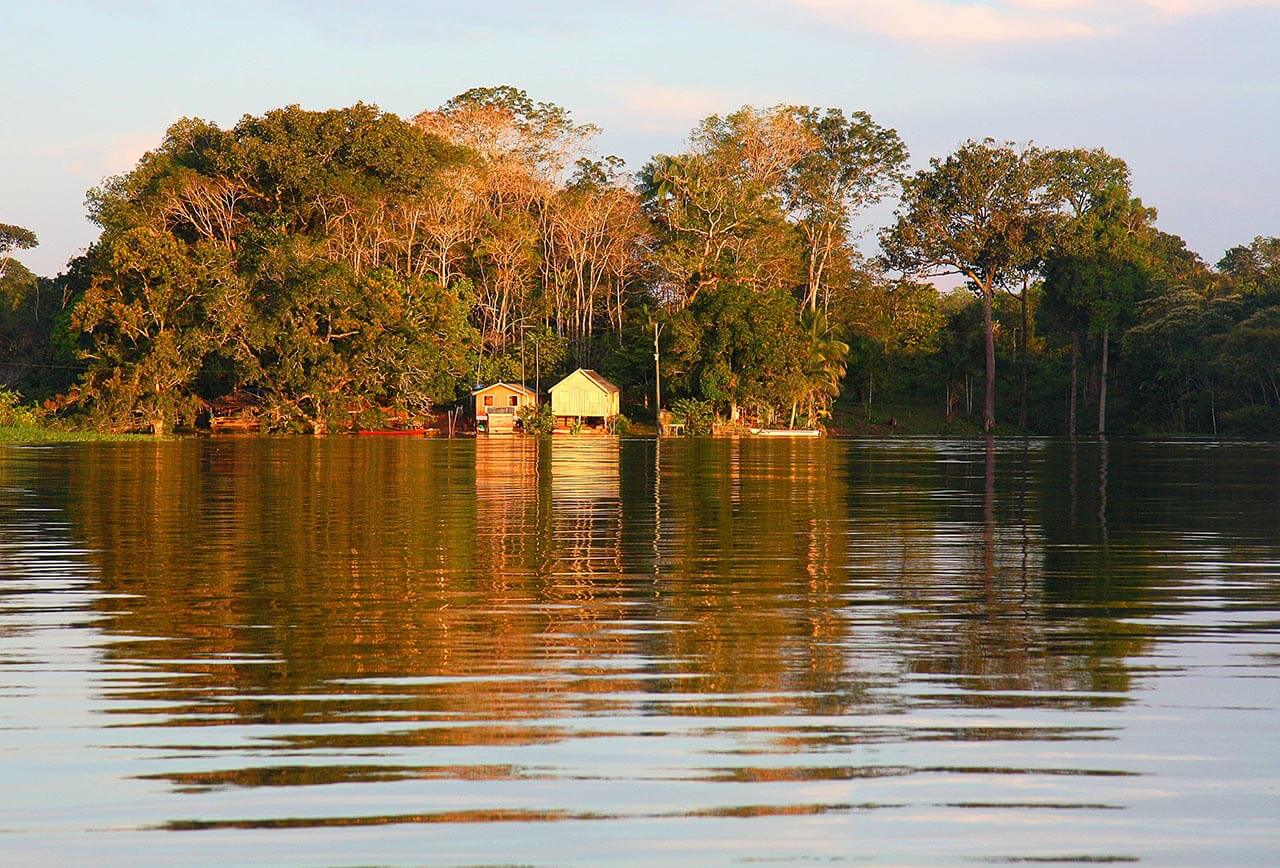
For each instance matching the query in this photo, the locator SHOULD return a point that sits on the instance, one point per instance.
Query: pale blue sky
(1187, 90)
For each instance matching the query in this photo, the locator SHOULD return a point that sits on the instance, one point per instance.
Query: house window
(515, 400)
(488, 400)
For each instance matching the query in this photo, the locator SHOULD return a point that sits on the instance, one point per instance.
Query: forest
(351, 269)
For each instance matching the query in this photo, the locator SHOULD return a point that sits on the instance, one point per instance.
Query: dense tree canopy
(984, 213)
(348, 268)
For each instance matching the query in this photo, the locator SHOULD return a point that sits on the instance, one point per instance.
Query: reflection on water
(688, 651)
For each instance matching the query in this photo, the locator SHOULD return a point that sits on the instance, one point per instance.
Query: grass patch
(41, 434)
(850, 418)
(21, 423)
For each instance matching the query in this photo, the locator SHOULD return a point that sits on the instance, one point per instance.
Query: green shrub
(620, 425)
(1253, 421)
(14, 414)
(698, 416)
(536, 420)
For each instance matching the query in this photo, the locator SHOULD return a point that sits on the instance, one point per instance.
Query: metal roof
(593, 376)
(516, 387)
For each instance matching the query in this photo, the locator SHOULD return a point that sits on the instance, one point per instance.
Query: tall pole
(522, 378)
(657, 379)
(537, 368)
(1102, 382)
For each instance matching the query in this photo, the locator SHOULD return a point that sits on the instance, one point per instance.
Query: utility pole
(657, 379)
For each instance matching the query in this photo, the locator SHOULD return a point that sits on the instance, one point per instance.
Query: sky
(1188, 91)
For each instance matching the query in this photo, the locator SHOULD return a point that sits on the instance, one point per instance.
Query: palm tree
(824, 366)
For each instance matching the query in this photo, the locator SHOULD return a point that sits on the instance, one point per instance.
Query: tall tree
(976, 213)
(822, 370)
(853, 163)
(270, 257)
(720, 208)
(13, 238)
(543, 245)
(1097, 265)
(1255, 267)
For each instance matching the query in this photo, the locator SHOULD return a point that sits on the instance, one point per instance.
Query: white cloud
(971, 21)
(658, 108)
(1203, 7)
(123, 152)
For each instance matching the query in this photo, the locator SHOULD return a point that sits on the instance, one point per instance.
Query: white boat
(786, 432)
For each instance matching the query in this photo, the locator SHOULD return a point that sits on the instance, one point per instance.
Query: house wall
(501, 398)
(579, 396)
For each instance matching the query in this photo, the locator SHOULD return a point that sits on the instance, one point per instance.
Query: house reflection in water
(509, 506)
(586, 505)
(548, 507)
(549, 538)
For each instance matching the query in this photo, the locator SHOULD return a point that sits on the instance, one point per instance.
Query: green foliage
(1249, 356)
(13, 414)
(236, 259)
(737, 346)
(1255, 420)
(698, 417)
(34, 356)
(822, 371)
(543, 348)
(13, 238)
(983, 212)
(536, 420)
(764, 198)
(619, 425)
(1254, 267)
(347, 268)
(989, 213)
(1100, 266)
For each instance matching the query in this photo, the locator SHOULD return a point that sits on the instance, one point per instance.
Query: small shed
(497, 406)
(585, 396)
(236, 413)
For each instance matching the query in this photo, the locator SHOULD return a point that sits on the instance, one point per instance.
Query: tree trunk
(988, 328)
(1075, 385)
(1022, 400)
(1102, 383)
(1213, 407)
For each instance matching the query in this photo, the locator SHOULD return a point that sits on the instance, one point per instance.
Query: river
(369, 650)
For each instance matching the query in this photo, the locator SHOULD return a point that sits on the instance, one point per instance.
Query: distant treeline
(342, 268)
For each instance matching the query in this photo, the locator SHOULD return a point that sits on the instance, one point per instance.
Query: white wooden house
(584, 397)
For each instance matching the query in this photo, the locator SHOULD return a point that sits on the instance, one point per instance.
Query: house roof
(515, 387)
(592, 376)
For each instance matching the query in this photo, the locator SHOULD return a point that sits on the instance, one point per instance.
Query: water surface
(362, 651)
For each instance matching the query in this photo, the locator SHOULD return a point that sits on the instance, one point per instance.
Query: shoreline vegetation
(351, 270)
(19, 435)
(848, 421)
(25, 424)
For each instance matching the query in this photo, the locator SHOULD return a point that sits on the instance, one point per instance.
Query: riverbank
(23, 423)
(38, 434)
(851, 418)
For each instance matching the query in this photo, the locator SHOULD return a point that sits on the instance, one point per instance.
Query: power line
(7, 364)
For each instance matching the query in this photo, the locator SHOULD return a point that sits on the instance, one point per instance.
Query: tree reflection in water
(324, 611)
